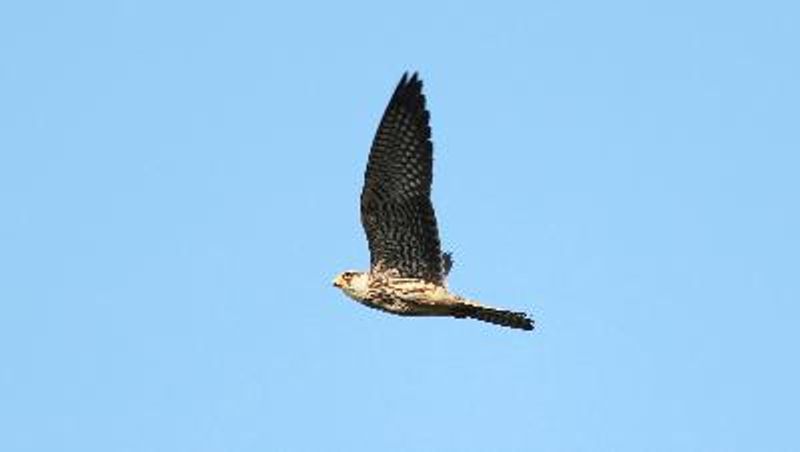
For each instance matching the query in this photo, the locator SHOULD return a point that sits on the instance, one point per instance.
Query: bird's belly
(410, 299)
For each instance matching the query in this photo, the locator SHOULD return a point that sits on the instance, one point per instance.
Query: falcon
(407, 267)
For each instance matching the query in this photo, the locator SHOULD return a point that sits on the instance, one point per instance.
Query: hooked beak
(337, 282)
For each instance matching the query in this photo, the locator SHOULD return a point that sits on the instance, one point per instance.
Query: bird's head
(352, 283)
(344, 279)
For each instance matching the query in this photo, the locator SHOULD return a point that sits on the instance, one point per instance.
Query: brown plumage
(396, 209)
(408, 269)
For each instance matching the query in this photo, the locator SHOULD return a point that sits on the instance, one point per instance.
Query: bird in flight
(407, 267)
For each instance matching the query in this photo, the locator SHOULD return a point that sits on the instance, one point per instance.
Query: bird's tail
(511, 319)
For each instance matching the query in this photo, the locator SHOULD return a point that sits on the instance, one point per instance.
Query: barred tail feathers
(511, 319)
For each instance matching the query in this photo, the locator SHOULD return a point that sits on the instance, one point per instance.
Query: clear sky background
(179, 184)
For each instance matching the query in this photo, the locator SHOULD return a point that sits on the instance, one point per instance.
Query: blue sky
(179, 183)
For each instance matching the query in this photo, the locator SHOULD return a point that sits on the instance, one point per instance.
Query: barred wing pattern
(396, 209)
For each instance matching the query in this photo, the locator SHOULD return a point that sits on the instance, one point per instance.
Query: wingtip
(410, 78)
(416, 80)
(408, 91)
(405, 82)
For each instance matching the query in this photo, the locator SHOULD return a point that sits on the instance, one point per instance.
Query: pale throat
(357, 286)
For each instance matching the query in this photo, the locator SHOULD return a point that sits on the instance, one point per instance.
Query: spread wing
(396, 209)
